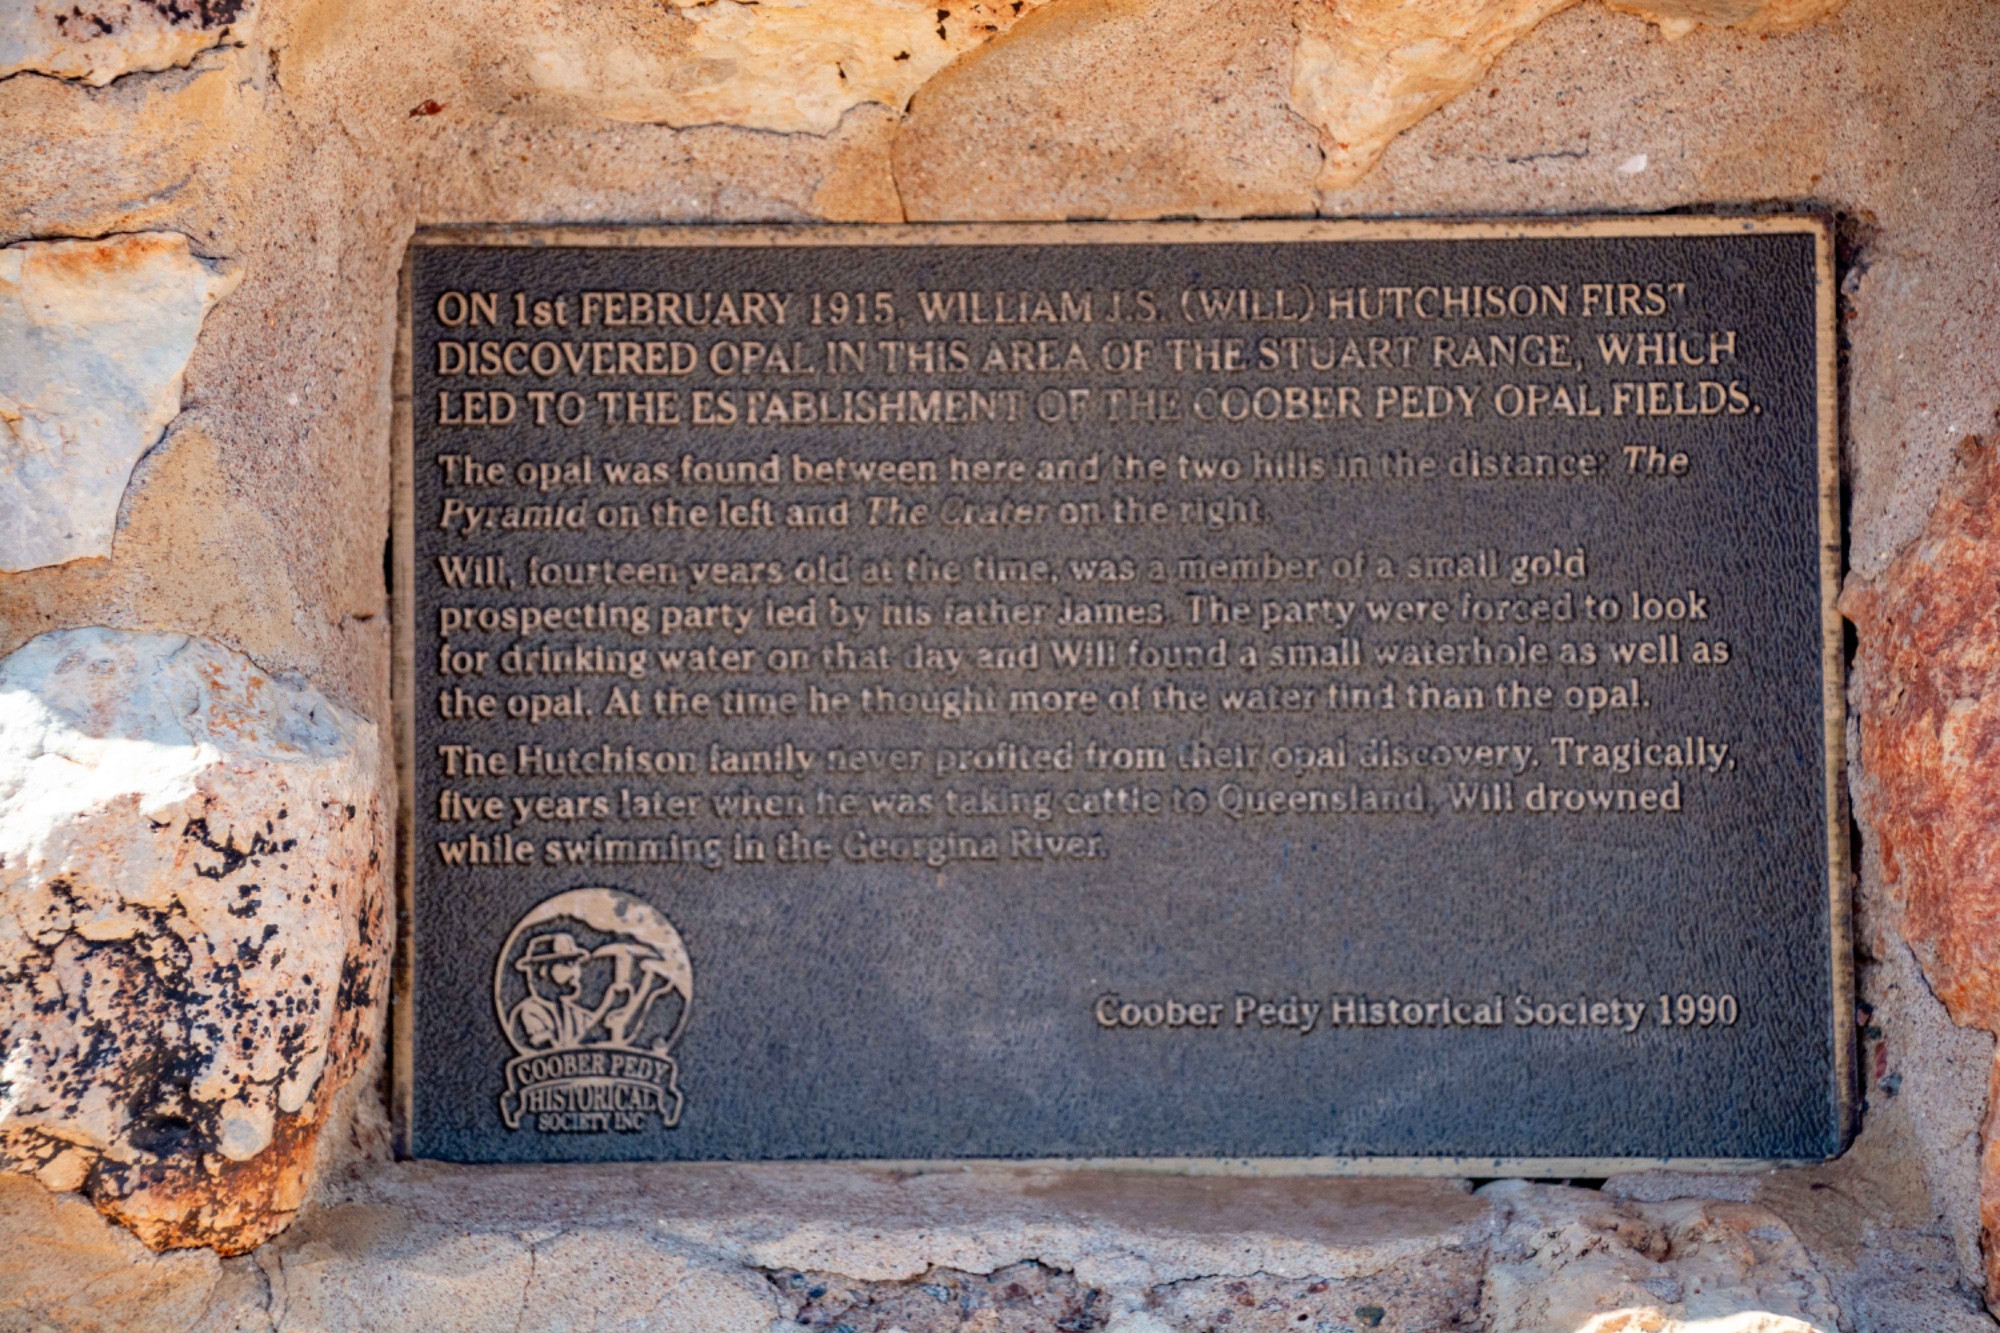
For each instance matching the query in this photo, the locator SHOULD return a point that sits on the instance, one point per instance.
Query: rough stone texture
(1678, 18)
(1030, 1297)
(1578, 1261)
(1927, 688)
(1199, 123)
(66, 1269)
(1911, 1071)
(1364, 73)
(98, 40)
(988, 1250)
(1872, 1227)
(1927, 684)
(708, 1249)
(785, 65)
(305, 149)
(193, 940)
(94, 337)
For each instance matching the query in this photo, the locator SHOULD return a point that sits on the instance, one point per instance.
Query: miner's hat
(555, 947)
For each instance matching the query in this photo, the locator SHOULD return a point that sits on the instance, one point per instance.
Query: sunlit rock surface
(785, 65)
(193, 939)
(1927, 687)
(94, 337)
(1577, 1261)
(95, 41)
(1366, 70)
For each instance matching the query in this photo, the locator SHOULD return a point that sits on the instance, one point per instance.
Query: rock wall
(203, 209)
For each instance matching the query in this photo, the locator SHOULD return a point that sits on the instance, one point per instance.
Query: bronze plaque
(1362, 695)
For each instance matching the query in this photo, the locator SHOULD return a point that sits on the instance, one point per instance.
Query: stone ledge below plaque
(721, 1248)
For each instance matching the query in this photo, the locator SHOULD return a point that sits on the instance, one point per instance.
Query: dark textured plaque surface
(1290, 894)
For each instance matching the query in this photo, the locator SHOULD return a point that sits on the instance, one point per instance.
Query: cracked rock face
(1578, 1261)
(1188, 77)
(94, 338)
(1363, 72)
(1927, 689)
(785, 65)
(1436, 1292)
(192, 928)
(95, 41)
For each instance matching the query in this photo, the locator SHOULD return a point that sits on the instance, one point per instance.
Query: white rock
(94, 337)
(191, 925)
(1576, 1261)
(98, 40)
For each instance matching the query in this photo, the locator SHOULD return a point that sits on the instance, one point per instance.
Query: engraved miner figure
(578, 990)
(552, 1017)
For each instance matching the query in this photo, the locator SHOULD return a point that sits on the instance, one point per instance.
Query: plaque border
(402, 538)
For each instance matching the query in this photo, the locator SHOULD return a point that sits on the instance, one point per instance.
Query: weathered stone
(1139, 108)
(193, 944)
(418, 1246)
(1678, 18)
(1581, 1262)
(1364, 73)
(1868, 1218)
(94, 338)
(786, 65)
(1927, 690)
(98, 40)
(1366, 70)
(64, 1268)
(707, 1248)
(1088, 1224)
(366, 1273)
(1437, 1291)
(1417, 1296)
(267, 528)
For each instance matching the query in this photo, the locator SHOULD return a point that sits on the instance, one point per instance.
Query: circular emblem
(592, 989)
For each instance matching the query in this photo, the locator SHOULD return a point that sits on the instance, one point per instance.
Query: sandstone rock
(786, 65)
(1927, 690)
(64, 1268)
(1438, 1292)
(1114, 109)
(757, 1247)
(363, 1272)
(1576, 1261)
(98, 40)
(143, 146)
(1363, 71)
(94, 337)
(193, 944)
(1678, 18)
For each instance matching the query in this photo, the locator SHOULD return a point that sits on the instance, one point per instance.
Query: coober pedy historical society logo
(592, 989)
